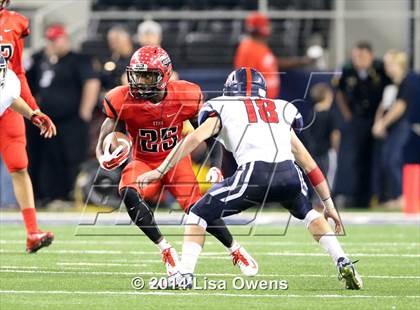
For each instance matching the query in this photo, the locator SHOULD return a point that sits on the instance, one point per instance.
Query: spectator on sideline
(254, 52)
(359, 93)
(149, 32)
(66, 86)
(322, 135)
(392, 129)
(120, 51)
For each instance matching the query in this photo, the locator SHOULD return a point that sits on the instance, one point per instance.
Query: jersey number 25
(152, 140)
(266, 110)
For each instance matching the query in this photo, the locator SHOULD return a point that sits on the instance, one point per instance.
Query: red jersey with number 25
(13, 29)
(155, 129)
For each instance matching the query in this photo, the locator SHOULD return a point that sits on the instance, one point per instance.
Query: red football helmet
(149, 72)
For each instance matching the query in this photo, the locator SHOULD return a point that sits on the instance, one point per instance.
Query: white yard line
(180, 293)
(257, 243)
(214, 255)
(109, 264)
(69, 270)
(351, 254)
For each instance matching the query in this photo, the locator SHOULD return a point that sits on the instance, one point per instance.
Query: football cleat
(36, 241)
(348, 273)
(171, 261)
(182, 281)
(246, 263)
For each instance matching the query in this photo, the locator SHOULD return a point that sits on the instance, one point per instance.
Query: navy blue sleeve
(207, 111)
(297, 124)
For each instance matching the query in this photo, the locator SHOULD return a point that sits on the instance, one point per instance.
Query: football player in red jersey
(153, 109)
(13, 29)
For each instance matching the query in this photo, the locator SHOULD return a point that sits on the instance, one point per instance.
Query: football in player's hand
(114, 140)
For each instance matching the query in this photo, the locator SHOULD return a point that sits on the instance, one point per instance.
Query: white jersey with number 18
(254, 128)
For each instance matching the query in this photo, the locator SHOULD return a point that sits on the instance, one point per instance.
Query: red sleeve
(112, 102)
(24, 27)
(269, 68)
(20, 23)
(192, 101)
(25, 91)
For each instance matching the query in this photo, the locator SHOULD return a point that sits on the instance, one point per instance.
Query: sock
(332, 246)
(218, 229)
(29, 218)
(163, 245)
(234, 247)
(190, 252)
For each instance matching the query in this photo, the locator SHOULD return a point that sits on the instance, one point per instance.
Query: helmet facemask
(144, 84)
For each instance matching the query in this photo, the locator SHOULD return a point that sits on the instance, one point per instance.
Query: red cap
(53, 32)
(259, 23)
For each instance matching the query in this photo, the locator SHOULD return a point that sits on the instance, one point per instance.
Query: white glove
(214, 175)
(109, 161)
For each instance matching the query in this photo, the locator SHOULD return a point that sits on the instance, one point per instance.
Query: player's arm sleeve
(293, 117)
(108, 107)
(193, 101)
(24, 26)
(210, 110)
(26, 93)
(215, 148)
(297, 123)
(26, 31)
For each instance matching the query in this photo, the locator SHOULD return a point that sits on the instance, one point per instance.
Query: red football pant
(13, 141)
(180, 181)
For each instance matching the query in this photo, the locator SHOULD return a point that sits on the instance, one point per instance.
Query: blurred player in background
(153, 109)
(246, 123)
(13, 29)
(254, 52)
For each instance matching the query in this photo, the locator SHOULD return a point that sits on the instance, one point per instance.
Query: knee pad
(137, 208)
(310, 217)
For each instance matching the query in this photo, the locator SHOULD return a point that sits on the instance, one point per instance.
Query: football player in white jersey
(10, 97)
(260, 132)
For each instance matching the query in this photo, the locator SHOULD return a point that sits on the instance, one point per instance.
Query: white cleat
(246, 263)
(171, 260)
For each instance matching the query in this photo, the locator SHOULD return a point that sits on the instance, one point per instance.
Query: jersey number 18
(266, 110)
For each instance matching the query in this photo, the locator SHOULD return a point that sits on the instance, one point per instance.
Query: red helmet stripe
(248, 81)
